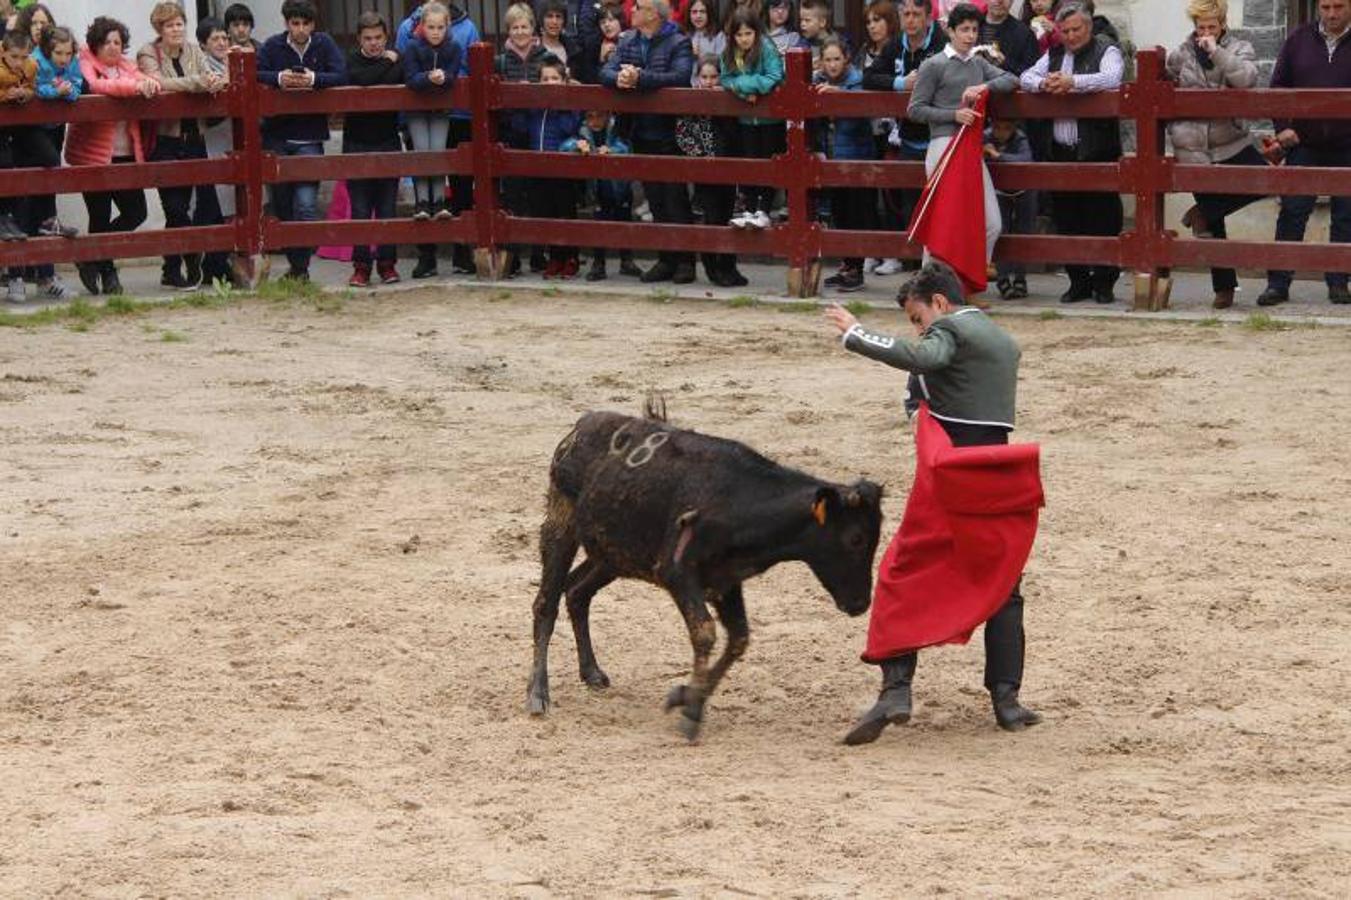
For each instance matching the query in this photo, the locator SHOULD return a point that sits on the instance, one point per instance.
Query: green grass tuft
(858, 307)
(172, 337)
(743, 301)
(1260, 321)
(1209, 322)
(1049, 315)
(798, 306)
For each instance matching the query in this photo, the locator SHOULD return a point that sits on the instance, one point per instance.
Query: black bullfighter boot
(1004, 651)
(893, 703)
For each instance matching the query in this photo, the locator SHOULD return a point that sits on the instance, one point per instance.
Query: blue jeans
(297, 201)
(1295, 212)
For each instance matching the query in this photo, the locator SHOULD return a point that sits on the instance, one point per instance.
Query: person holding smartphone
(298, 59)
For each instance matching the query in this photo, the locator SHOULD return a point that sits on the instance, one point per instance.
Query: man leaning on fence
(298, 59)
(1316, 55)
(1082, 64)
(655, 55)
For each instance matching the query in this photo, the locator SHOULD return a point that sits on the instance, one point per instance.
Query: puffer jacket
(761, 80)
(153, 61)
(848, 138)
(665, 60)
(1211, 140)
(50, 78)
(91, 143)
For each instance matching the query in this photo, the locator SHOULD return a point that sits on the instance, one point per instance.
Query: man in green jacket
(965, 367)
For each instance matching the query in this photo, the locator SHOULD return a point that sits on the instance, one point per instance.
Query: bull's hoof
(690, 728)
(537, 702)
(596, 679)
(675, 698)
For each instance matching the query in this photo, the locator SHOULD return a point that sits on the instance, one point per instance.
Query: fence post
(488, 260)
(246, 129)
(1148, 248)
(804, 266)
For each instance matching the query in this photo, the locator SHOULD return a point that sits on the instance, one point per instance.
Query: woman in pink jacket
(108, 71)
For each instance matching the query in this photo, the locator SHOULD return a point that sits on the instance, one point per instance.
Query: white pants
(993, 217)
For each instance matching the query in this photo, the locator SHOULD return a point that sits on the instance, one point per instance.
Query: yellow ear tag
(819, 511)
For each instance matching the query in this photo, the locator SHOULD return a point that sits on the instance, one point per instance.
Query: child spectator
(553, 35)
(371, 63)
(430, 64)
(553, 198)
(614, 198)
(704, 137)
(847, 139)
(779, 19)
(705, 30)
(238, 20)
(813, 25)
(1006, 142)
(106, 70)
(1037, 16)
(751, 69)
(18, 78)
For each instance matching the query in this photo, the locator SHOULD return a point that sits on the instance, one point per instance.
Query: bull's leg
(703, 634)
(557, 547)
(731, 608)
(583, 583)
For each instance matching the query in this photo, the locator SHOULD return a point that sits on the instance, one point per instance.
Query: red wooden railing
(1146, 249)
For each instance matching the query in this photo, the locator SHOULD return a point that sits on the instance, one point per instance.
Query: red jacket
(91, 143)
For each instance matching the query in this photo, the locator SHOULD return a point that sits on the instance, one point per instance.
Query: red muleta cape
(966, 534)
(949, 218)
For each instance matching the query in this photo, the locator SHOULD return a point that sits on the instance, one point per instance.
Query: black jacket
(896, 61)
(1016, 41)
(370, 132)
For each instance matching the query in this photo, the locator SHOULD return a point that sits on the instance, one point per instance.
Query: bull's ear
(826, 498)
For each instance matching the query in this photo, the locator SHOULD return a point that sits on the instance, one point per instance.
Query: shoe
(54, 227)
(537, 261)
(361, 276)
(192, 274)
(10, 230)
(661, 271)
(1338, 293)
(1076, 294)
(1193, 219)
(1103, 295)
(422, 211)
(89, 276)
(388, 274)
(759, 220)
(888, 267)
(893, 704)
(853, 281)
(1019, 291)
(1005, 288)
(870, 264)
(553, 270)
(569, 270)
(112, 285)
(837, 279)
(597, 271)
(462, 261)
(740, 220)
(683, 274)
(425, 268)
(55, 289)
(15, 291)
(1223, 299)
(733, 278)
(1272, 297)
(443, 210)
(629, 268)
(1008, 712)
(171, 278)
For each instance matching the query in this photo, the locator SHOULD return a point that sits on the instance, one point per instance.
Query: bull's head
(848, 522)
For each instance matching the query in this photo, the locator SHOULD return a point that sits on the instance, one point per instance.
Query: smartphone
(299, 70)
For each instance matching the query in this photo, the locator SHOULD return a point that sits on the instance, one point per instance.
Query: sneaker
(89, 276)
(1272, 297)
(628, 267)
(537, 261)
(1338, 293)
(361, 276)
(1005, 287)
(569, 270)
(740, 220)
(888, 267)
(54, 227)
(853, 281)
(660, 271)
(443, 210)
(733, 278)
(759, 220)
(175, 280)
(422, 211)
(10, 230)
(554, 269)
(837, 279)
(112, 285)
(54, 289)
(1019, 291)
(870, 264)
(425, 268)
(14, 291)
(683, 274)
(388, 274)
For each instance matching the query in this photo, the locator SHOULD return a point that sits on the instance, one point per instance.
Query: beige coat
(1212, 140)
(154, 62)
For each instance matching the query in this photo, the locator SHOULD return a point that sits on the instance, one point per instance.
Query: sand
(265, 617)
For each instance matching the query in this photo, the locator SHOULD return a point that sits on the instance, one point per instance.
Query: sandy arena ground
(265, 614)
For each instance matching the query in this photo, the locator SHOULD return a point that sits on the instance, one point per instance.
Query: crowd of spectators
(944, 53)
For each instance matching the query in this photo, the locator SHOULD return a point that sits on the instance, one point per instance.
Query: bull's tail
(654, 407)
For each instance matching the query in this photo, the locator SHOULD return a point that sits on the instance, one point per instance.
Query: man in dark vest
(1082, 64)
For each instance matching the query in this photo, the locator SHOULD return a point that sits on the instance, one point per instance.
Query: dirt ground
(265, 587)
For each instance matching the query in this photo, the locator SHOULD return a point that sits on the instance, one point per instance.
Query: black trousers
(177, 201)
(668, 200)
(717, 201)
(461, 196)
(760, 142)
(131, 208)
(28, 147)
(854, 209)
(1214, 207)
(1091, 213)
(554, 198)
